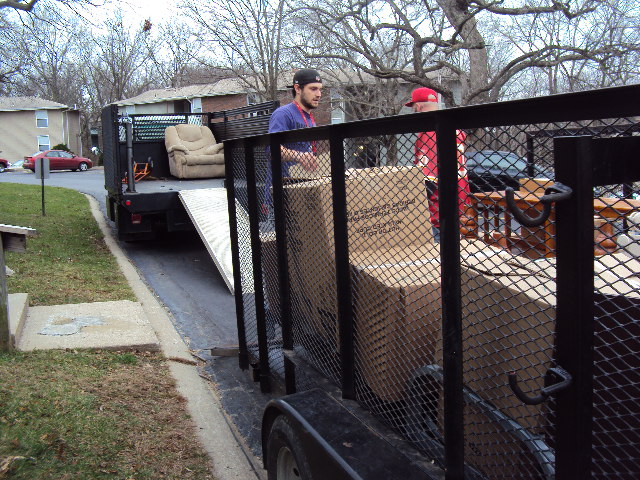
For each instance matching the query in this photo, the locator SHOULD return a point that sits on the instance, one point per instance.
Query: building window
(337, 107)
(43, 142)
(196, 105)
(253, 98)
(42, 119)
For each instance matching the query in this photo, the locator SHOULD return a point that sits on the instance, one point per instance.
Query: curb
(230, 456)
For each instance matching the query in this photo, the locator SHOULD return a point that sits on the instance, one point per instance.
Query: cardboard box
(397, 313)
(508, 323)
(386, 209)
(323, 161)
(397, 317)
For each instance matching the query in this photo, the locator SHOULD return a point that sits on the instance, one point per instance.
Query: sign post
(42, 172)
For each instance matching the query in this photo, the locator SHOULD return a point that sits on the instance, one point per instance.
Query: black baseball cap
(304, 76)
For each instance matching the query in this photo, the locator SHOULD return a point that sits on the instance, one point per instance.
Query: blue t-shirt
(287, 117)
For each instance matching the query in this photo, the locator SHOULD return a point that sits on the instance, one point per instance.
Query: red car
(4, 164)
(59, 160)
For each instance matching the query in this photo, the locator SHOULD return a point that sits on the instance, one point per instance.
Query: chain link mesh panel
(308, 215)
(508, 288)
(245, 251)
(110, 145)
(616, 416)
(508, 305)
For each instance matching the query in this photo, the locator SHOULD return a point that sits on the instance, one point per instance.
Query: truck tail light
(136, 218)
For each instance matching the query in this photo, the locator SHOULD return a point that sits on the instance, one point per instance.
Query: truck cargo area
(142, 189)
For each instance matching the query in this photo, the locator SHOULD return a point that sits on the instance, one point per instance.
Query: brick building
(221, 95)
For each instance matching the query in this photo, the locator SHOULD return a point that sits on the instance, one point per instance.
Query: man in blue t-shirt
(306, 91)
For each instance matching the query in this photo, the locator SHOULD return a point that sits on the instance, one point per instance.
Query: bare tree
(24, 5)
(10, 57)
(120, 62)
(247, 37)
(176, 54)
(47, 8)
(602, 50)
(454, 38)
(52, 57)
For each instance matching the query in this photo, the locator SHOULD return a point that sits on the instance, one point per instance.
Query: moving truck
(142, 193)
(396, 357)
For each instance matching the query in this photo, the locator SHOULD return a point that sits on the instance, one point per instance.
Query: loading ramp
(208, 210)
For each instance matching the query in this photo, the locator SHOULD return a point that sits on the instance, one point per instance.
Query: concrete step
(18, 308)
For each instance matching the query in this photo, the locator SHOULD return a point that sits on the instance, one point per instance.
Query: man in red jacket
(424, 99)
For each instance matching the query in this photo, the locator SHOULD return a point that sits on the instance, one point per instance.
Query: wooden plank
(30, 232)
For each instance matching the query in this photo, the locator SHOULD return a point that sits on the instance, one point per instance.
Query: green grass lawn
(68, 262)
(83, 415)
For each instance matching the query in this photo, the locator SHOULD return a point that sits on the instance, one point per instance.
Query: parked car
(58, 160)
(493, 170)
(17, 164)
(4, 164)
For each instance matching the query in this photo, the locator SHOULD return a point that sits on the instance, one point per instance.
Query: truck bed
(175, 184)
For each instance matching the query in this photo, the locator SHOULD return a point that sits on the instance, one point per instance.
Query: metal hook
(554, 193)
(559, 372)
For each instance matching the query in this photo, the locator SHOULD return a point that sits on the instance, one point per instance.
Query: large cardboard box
(398, 328)
(398, 313)
(386, 209)
(397, 318)
(508, 324)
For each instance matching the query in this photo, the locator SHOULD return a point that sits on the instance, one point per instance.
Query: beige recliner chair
(193, 152)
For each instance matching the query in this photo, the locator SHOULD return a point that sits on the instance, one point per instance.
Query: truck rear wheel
(286, 459)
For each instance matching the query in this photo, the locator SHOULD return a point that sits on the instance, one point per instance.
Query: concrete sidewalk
(144, 324)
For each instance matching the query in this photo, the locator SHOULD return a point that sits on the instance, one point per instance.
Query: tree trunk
(477, 78)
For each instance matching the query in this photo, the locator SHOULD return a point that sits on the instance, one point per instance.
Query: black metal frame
(577, 166)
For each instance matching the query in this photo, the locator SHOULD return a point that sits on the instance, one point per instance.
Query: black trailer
(135, 143)
(507, 350)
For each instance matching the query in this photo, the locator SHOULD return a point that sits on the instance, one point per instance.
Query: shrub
(61, 146)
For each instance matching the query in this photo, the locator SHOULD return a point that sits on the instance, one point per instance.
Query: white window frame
(43, 142)
(42, 119)
(337, 108)
(253, 98)
(196, 105)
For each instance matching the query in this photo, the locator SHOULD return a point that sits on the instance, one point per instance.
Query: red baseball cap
(422, 94)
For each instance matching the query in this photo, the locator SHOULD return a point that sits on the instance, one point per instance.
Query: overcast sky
(136, 11)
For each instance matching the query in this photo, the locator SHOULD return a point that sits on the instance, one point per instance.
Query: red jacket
(427, 157)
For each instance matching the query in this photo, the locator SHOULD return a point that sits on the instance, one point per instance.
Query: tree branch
(18, 4)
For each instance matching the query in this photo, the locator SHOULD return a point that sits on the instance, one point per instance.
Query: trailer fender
(308, 445)
(327, 436)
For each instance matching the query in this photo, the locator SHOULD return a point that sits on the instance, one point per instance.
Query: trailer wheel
(286, 459)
